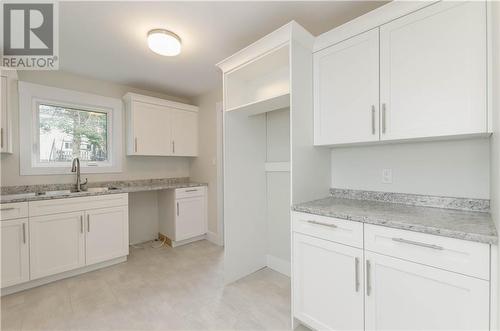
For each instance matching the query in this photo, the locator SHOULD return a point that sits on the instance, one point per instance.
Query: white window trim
(31, 95)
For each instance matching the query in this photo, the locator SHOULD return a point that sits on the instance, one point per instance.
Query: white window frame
(32, 95)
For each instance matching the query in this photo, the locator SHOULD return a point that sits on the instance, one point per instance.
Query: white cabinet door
(433, 72)
(57, 243)
(346, 91)
(403, 295)
(4, 134)
(184, 133)
(15, 252)
(107, 234)
(327, 284)
(190, 218)
(151, 129)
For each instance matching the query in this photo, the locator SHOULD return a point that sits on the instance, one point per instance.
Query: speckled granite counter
(466, 225)
(61, 191)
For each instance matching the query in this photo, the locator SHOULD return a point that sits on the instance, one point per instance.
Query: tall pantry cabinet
(269, 158)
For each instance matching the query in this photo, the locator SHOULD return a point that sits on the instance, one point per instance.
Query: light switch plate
(387, 176)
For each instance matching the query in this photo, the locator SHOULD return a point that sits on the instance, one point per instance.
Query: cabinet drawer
(465, 257)
(48, 207)
(329, 228)
(188, 192)
(9, 211)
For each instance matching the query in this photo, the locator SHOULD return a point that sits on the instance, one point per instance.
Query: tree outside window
(66, 133)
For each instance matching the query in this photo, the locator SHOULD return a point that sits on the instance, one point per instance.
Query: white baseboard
(214, 238)
(279, 265)
(67, 274)
(188, 241)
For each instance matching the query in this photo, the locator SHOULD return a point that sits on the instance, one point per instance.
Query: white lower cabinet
(327, 284)
(57, 243)
(404, 282)
(15, 252)
(60, 236)
(190, 220)
(107, 234)
(183, 214)
(402, 295)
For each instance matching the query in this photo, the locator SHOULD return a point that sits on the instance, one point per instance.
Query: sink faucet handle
(86, 181)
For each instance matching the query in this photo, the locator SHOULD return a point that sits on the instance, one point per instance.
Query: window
(61, 125)
(66, 133)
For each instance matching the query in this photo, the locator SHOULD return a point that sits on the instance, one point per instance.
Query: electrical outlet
(387, 176)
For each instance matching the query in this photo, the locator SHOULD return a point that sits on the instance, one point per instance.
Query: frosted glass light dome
(164, 42)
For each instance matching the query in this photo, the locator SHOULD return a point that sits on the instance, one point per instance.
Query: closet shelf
(265, 105)
(277, 166)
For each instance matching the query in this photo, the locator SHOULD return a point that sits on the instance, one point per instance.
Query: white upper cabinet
(184, 133)
(3, 111)
(346, 91)
(8, 82)
(433, 72)
(426, 70)
(151, 129)
(158, 127)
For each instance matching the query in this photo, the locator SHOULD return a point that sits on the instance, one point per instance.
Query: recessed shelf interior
(264, 82)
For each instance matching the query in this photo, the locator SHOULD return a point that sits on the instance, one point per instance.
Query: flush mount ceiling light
(164, 42)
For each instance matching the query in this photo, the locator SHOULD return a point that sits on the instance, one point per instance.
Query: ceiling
(107, 40)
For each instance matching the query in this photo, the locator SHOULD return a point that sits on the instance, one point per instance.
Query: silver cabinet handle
(321, 223)
(356, 274)
(135, 144)
(373, 119)
(173, 146)
(416, 243)
(368, 281)
(1, 138)
(177, 209)
(383, 117)
(88, 223)
(24, 233)
(5, 209)
(81, 223)
(192, 190)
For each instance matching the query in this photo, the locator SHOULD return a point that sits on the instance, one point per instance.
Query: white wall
(495, 138)
(204, 167)
(133, 167)
(443, 168)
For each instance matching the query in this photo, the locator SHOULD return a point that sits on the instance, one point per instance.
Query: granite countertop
(23, 194)
(460, 224)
